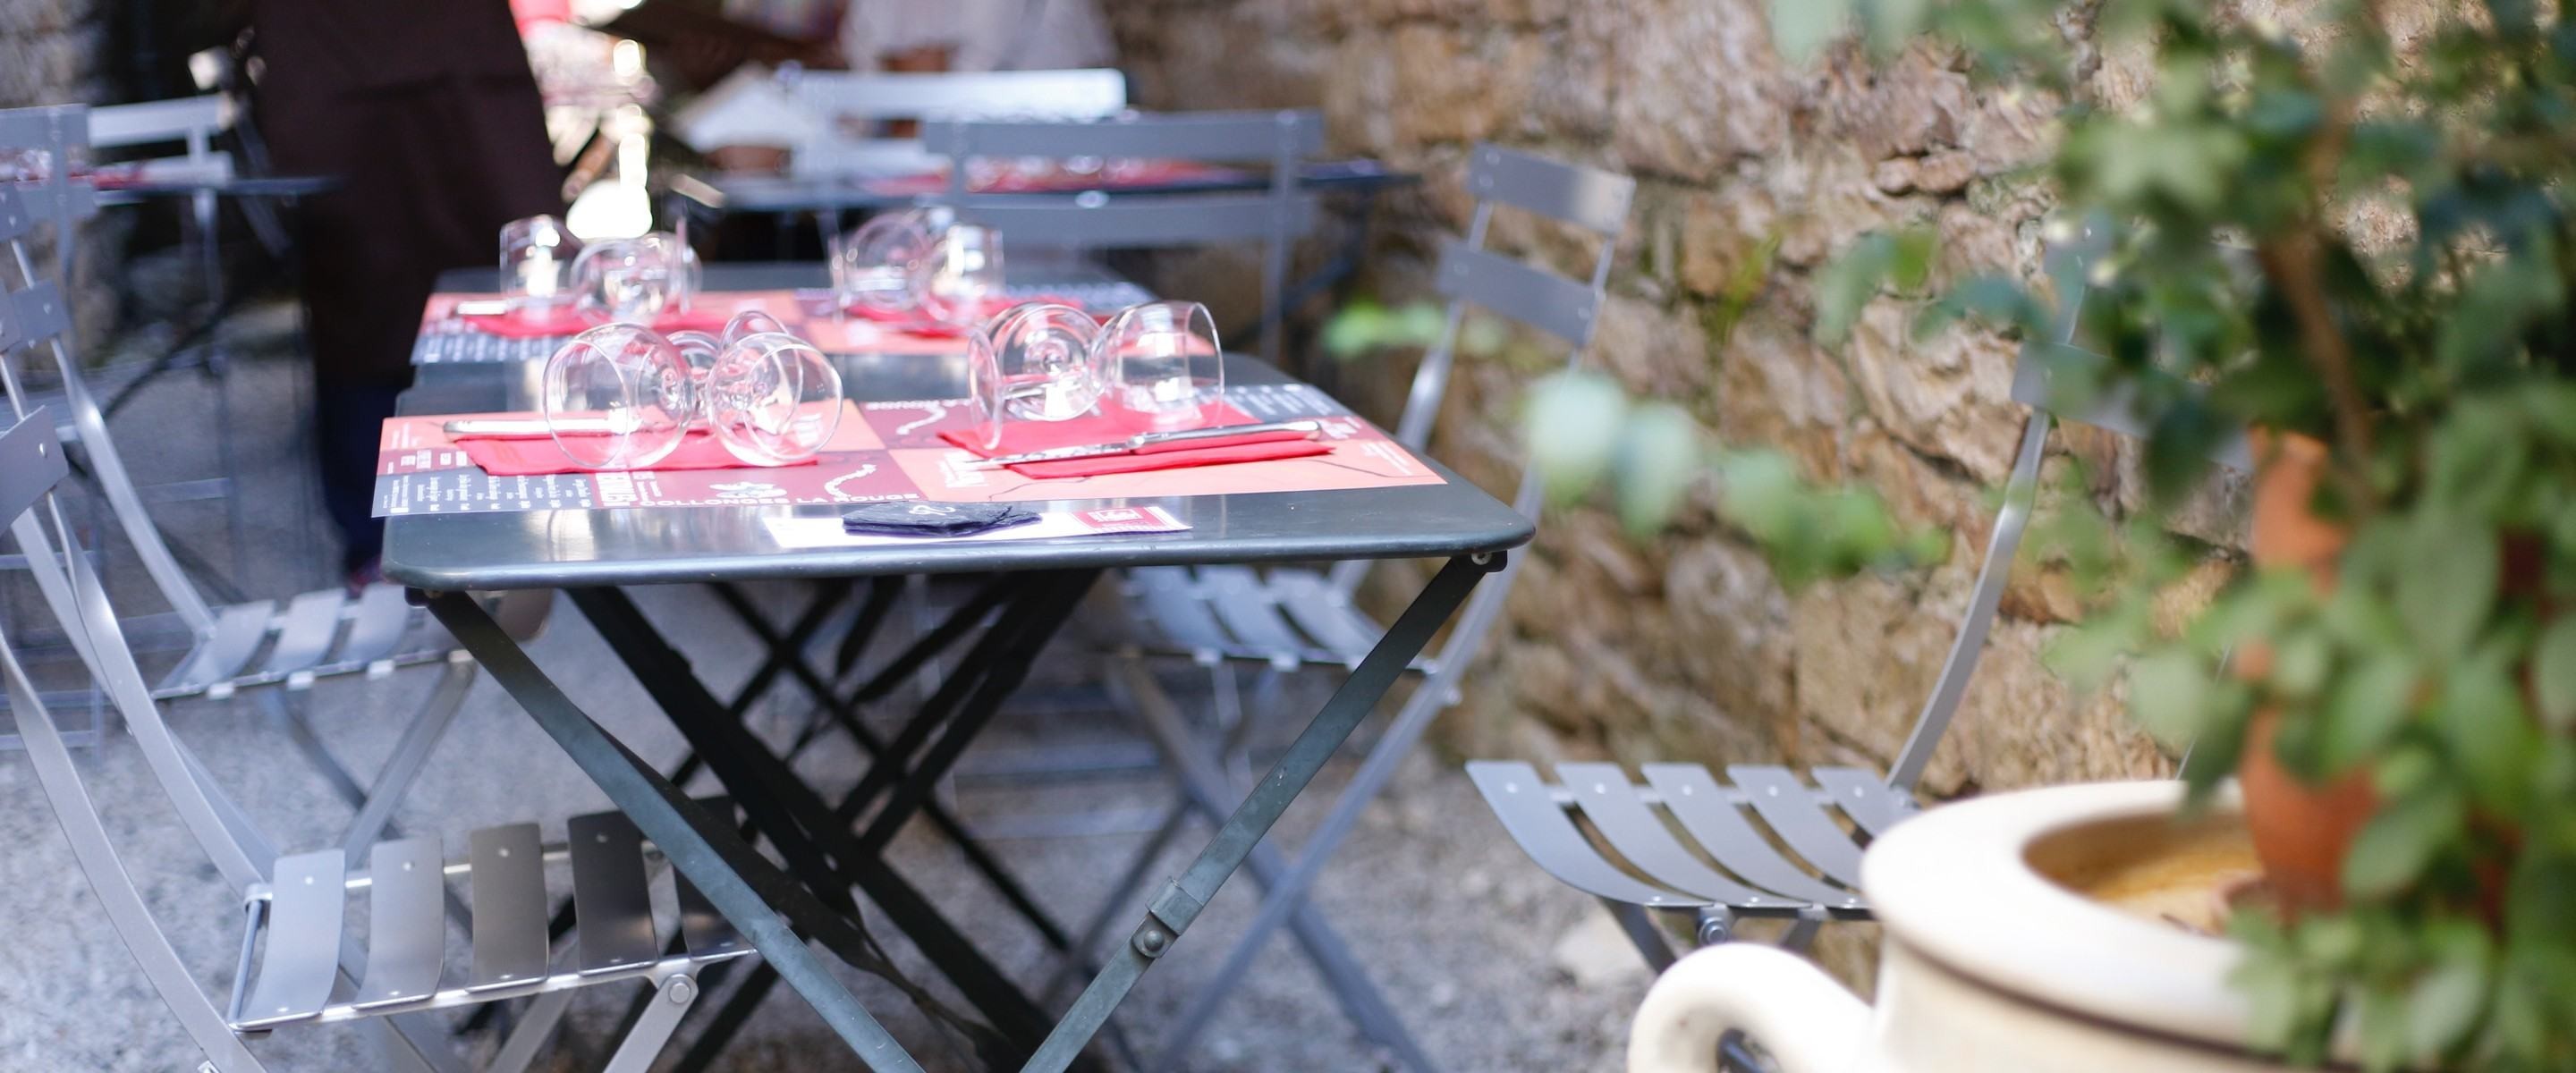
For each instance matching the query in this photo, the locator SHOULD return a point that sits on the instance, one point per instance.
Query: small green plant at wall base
(2430, 652)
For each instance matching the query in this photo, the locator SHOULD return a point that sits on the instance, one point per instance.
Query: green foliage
(2227, 289)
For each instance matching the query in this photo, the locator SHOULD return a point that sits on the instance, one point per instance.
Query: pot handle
(1808, 1023)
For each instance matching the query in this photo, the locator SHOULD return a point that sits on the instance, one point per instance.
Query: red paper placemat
(519, 456)
(1022, 437)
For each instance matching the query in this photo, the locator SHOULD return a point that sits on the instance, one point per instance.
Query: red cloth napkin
(517, 456)
(569, 322)
(1254, 448)
(1022, 437)
(910, 322)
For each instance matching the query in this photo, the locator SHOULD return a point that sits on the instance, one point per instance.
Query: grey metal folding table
(595, 554)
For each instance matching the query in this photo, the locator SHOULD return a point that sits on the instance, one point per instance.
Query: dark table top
(775, 193)
(238, 186)
(572, 548)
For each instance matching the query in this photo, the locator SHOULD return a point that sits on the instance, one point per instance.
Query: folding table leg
(1203, 785)
(1428, 698)
(807, 830)
(726, 870)
(1172, 911)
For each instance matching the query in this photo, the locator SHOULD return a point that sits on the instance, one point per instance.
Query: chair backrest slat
(1081, 93)
(1206, 136)
(1536, 297)
(1596, 200)
(1138, 222)
(31, 462)
(183, 119)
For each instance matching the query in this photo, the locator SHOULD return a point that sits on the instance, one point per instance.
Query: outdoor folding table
(594, 554)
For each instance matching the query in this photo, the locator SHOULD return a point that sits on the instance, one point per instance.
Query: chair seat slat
(1602, 792)
(612, 907)
(1865, 797)
(1172, 602)
(223, 652)
(1534, 819)
(1236, 595)
(312, 621)
(378, 624)
(302, 960)
(1324, 614)
(1695, 798)
(406, 923)
(509, 897)
(1791, 809)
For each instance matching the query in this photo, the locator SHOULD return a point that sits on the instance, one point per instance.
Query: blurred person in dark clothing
(426, 112)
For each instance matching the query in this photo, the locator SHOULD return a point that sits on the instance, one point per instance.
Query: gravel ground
(1459, 931)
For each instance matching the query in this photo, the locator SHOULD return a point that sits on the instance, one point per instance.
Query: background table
(594, 552)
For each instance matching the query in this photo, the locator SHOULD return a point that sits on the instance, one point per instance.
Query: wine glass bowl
(1162, 361)
(618, 396)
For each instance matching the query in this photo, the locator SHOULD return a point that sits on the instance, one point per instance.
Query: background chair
(1774, 831)
(852, 105)
(1275, 217)
(1283, 619)
(294, 905)
(230, 647)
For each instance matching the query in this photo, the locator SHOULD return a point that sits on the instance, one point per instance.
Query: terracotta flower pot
(2301, 831)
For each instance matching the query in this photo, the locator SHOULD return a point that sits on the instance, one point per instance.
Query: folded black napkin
(919, 519)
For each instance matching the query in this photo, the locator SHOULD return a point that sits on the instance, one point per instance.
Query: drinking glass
(873, 266)
(960, 275)
(536, 263)
(688, 275)
(1162, 361)
(618, 396)
(773, 399)
(1034, 362)
(625, 280)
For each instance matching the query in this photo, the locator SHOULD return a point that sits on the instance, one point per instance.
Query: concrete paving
(1443, 912)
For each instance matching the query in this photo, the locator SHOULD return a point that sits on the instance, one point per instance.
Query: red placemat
(1057, 180)
(1022, 437)
(1256, 448)
(517, 456)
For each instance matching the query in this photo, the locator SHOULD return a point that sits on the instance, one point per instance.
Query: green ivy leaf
(2446, 1002)
(2482, 720)
(2394, 848)
(2553, 673)
(2448, 583)
(2168, 695)
(1581, 414)
(1848, 282)
(1659, 457)
(1801, 28)
(1355, 330)
(2364, 709)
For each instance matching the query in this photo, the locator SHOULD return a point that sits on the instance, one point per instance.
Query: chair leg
(535, 1027)
(428, 726)
(1205, 788)
(1643, 932)
(671, 1002)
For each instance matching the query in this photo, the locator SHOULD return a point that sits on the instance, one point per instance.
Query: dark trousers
(347, 420)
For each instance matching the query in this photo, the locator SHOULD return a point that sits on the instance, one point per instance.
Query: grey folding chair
(1275, 217)
(1284, 619)
(843, 100)
(1780, 849)
(297, 964)
(240, 646)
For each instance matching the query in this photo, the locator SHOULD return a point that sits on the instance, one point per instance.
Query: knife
(530, 427)
(1151, 442)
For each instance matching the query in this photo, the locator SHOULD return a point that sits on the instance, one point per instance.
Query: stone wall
(1752, 172)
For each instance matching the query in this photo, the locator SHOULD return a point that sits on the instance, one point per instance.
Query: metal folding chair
(866, 99)
(231, 647)
(1275, 217)
(297, 965)
(1284, 619)
(1787, 844)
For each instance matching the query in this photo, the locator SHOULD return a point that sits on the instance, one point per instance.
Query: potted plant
(2359, 248)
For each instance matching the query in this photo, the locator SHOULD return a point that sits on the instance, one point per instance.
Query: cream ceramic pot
(2024, 932)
